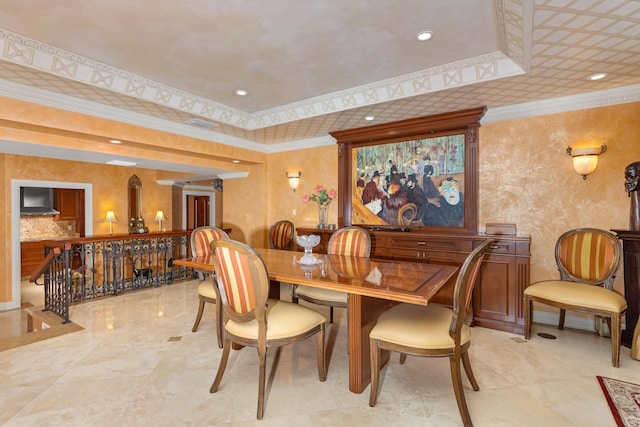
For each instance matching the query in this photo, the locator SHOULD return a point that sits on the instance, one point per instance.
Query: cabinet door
(494, 296)
(68, 203)
(31, 256)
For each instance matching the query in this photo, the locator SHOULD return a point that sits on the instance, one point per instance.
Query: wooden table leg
(362, 313)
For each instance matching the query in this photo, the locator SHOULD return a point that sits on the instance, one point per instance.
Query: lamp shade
(584, 165)
(111, 217)
(160, 216)
(585, 160)
(294, 180)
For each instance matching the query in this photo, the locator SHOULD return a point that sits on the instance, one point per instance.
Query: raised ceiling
(310, 68)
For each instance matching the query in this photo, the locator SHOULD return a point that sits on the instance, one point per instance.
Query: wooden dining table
(373, 287)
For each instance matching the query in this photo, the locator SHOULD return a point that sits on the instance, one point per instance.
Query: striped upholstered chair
(201, 239)
(254, 320)
(281, 235)
(348, 241)
(588, 260)
(432, 331)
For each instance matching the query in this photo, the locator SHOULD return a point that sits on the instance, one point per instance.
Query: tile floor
(137, 363)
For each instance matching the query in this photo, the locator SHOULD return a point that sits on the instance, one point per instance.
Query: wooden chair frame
(204, 295)
(259, 282)
(567, 274)
(457, 353)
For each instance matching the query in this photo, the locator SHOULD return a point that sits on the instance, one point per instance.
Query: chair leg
(223, 365)
(615, 339)
(219, 323)
(403, 358)
(331, 314)
(262, 353)
(294, 298)
(528, 317)
(198, 316)
(467, 368)
(374, 357)
(456, 377)
(322, 365)
(561, 320)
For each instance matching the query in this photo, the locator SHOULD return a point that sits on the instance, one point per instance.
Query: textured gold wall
(318, 166)
(245, 207)
(527, 178)
(109, 185)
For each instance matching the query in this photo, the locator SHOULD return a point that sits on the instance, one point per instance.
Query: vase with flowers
(323, 198)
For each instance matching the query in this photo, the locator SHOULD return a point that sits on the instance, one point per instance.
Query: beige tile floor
(137, 363)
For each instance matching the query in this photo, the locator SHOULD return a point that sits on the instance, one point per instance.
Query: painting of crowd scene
(410, 183)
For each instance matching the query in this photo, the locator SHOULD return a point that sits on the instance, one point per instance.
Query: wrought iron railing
(93, 267)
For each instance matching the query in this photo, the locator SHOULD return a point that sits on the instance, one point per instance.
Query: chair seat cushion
(322, 294)
(418, 326)
(578, 294)
(205, 288)
(284, 319)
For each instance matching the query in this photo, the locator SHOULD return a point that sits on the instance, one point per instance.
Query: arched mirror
(134, 197)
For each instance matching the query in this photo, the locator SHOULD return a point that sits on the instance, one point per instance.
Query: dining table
(373, 286)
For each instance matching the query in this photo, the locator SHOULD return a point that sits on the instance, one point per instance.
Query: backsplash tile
(43, 227)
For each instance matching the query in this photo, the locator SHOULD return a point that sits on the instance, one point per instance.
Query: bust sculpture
(631, 178)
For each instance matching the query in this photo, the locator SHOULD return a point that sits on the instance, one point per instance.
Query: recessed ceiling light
(424, 35)
(597, 76)
(121, 163)
(241, 92)
(115, 141)
(369, 118)
(235, 161)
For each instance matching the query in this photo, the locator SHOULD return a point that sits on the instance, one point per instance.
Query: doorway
(199, 210)
(15, 227)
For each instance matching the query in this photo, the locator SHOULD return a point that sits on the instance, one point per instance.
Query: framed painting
(413, 174)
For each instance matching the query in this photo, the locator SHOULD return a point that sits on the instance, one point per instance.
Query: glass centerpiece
(308, 243)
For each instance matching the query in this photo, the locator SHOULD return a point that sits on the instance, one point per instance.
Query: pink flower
(322, 197)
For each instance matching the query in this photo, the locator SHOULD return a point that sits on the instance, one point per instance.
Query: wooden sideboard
(631, 261)
(497, 297)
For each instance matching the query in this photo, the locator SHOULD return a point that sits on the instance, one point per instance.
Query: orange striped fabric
(351, 267)
(349, 243)
(589, 256)
(280, 235)
(203, 239)
(235, 275)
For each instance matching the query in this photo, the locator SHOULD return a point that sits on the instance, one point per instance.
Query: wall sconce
(110, 218)
(294, 180)
(585, 160)
(160, 217)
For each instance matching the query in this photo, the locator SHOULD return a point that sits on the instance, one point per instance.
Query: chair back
(202, 237)
(588, 255)
(243, 282)
(350, 241)
(464, 289)
(281, 234)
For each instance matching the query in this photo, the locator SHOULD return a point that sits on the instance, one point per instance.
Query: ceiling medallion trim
(31, 53)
